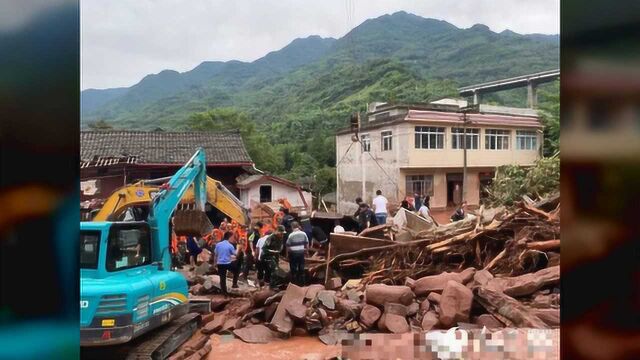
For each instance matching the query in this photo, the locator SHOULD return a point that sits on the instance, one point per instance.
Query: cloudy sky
(124, 40)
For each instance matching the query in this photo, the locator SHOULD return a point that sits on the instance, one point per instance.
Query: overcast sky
(124, 40)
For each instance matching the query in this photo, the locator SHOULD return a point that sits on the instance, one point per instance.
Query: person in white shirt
(380, 207)
(260, 265)
(425, 213)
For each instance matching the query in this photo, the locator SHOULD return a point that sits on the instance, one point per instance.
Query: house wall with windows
(421, 151)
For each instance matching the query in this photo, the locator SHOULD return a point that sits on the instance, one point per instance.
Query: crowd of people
(238, 250)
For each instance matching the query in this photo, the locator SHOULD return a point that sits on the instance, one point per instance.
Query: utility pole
(475, 108)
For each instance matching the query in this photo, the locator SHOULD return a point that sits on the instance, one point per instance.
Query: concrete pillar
(476, 97)
(532, 96)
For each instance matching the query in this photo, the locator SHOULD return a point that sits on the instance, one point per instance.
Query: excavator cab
(124, 293)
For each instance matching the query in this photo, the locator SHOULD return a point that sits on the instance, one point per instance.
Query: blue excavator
(127, 289)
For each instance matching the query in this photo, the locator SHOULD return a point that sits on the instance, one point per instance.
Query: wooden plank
(343, 243)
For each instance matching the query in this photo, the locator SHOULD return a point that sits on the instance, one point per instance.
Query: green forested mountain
(289, 103)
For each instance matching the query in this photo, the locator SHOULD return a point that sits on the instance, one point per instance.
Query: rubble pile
(497, 269)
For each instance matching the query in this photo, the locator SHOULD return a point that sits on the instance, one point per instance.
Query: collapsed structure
(498, 268)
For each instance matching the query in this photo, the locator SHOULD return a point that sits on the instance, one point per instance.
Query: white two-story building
(408, 149)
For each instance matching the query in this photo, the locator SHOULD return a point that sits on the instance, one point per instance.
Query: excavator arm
(141, 193)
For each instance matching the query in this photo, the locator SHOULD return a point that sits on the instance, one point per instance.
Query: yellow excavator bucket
(191, 222)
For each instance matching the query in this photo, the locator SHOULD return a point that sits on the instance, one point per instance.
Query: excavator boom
(141, 193)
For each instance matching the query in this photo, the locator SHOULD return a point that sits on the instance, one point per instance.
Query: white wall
(252, 194)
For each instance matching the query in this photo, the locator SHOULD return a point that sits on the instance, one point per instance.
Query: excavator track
(157, 345)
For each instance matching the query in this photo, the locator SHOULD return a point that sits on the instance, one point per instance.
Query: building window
(473, 138)
(526, 140)
(420, 184)
(496, 139)
(386, 140)
(429, 137)
(365, 140)
(265, 193)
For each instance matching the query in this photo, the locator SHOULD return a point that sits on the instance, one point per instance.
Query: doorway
(454, 189)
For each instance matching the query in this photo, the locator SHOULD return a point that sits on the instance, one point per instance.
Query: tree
(550, 116)
(100, 125)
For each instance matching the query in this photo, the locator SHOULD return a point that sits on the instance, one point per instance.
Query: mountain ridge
(429, 49)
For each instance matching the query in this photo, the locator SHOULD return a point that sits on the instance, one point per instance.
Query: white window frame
(499, 136)
(439, 132)
(472, 134)
(528, 138)
(425, 179)
(365, 140)
(386, 135)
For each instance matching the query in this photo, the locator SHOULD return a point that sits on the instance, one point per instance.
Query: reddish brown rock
(281, 321)
(195, 343)
(436, 283)
(207, 319)
(413, 309)
(370, 315)
(218, 302)
(430, 321)
(259, 297)
(312, 291)
(216, 324)
(378, 294)
(393, 323)
(296, 311)
(489, 321)
(238, 307)
(270, 310)
(327, 298)
(202, 353)
(481, 278)
(410, 283)
(349, 307)
(196, 289)
(455, 304)
(334, 283)
(434, 298)
(424, 306)
(395, 309)
(299, 331)
(256, 334)
(467, 275)
(180, 355)
(550, 317)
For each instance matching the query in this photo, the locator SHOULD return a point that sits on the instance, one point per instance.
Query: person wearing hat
(271, 253)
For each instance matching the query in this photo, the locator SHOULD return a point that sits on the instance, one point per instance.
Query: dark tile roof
(160, 147)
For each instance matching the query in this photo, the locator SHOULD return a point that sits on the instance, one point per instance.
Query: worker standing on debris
(287, 219)
(194, 251)
(357, 213)
(380, 206)
(461, 212)
(250, 257)
(224, 259)
(366, 217)
(260, 264)
(425, 212)
(297, 246)
(271, 253)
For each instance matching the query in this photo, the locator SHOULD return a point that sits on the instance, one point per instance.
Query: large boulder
(455, 305)
(379, 294)
(437, 283)
(430, 320)
(369, 315)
